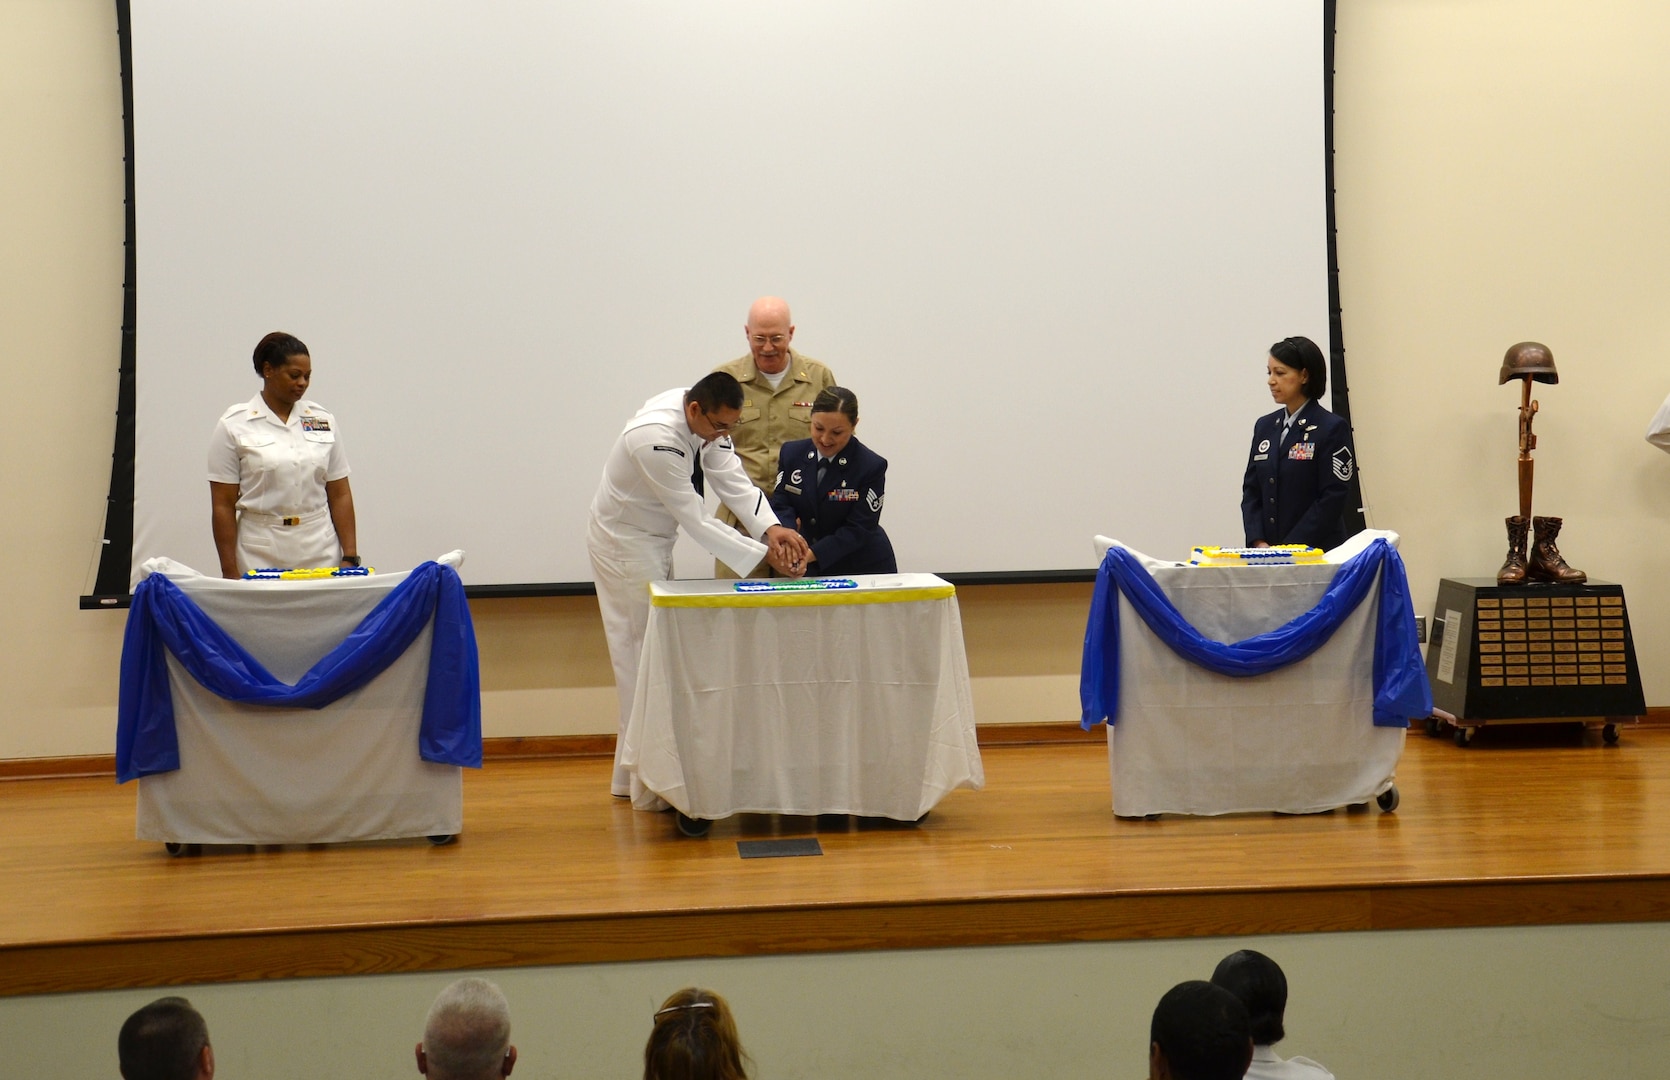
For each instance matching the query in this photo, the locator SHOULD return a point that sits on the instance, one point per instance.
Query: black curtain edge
(1354, 519)
(110, 584)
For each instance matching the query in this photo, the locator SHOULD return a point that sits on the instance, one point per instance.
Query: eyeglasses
(762, 340)
(718, 428)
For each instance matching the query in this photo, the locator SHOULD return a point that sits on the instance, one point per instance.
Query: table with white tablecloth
(349, 770)
(1301, 738)
(848, 701)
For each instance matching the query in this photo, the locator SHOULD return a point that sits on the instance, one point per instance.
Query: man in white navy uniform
(653, 483)
(278, 478)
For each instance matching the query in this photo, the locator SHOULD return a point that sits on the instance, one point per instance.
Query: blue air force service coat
(841, 516)
(1296, 492)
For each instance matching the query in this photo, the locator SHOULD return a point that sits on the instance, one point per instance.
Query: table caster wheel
(1434, 727)
(1463, 736)
(1388, 799)
(690, 826)
(1609, 734)
(174, 850)
(443, 839)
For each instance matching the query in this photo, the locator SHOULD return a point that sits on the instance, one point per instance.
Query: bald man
(467, 1034)
(778, 386)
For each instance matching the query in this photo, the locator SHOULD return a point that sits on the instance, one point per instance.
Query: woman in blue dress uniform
(1299, 470)
(831, 487)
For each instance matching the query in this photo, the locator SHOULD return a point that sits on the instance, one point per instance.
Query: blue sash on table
(1401, 691)
(163, 619)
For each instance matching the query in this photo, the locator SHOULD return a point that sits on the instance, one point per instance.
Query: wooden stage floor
(1530, 825)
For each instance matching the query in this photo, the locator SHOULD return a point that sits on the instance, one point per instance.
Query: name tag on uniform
(1261, 457)
(1301, 451)
(844, 495)
(791, 489)
(315, 423)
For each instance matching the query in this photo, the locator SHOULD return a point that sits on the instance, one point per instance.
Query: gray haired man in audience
(467, 1035)
(165, 1040)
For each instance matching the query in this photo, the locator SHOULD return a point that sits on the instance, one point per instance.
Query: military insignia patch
(873, 500)
(1343, 465)
(1264, 446)
(779, 478)
(1301, 451)
(669, 450)
(794, 477)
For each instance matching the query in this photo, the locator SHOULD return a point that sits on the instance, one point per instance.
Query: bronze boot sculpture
(1547, 564)
(1514, 566)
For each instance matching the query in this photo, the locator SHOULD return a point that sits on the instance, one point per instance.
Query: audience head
(769, 329)
(694, 1039)
(165, 1040)
(467, 1034)
(1303, 354)
(1199, 1032)
(1258, 981)
(274, 349)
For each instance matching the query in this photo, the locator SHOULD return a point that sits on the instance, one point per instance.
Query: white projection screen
(1046, 244)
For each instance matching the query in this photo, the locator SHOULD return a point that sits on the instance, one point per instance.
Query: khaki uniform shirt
(771, 418)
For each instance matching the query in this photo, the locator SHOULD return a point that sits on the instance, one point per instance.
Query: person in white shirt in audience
(1260, 984)
(165, 1040)
(467, 1034)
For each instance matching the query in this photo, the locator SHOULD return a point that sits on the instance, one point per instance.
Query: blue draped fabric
(163, 620)
(1401, 690)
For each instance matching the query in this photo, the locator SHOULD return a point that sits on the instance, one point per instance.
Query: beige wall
(1500, 169)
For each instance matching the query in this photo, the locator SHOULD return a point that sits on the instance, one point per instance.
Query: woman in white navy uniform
(1299, 470)
(278, 478)
(831, 487)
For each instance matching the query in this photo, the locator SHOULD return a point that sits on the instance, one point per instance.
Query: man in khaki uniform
(778, 387)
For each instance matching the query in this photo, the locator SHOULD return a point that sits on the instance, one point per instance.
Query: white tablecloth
(253, 774)
(841, 702)
(1298, 740)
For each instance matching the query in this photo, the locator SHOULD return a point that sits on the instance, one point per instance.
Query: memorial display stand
(1531, 653)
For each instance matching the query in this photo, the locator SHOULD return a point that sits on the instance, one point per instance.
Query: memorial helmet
(1529, 358)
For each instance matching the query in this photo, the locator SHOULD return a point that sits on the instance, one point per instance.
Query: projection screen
(1047, 245)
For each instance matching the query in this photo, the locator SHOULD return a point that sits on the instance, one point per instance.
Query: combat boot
(1513, 567)
(1546, 562)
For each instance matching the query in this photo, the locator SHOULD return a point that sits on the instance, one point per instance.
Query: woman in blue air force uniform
(1299, 470)
(831, 488)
